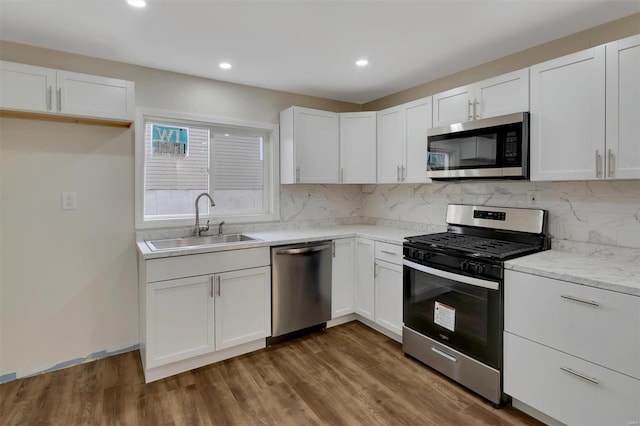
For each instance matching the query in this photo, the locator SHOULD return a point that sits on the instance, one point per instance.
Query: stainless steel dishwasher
(300, 287)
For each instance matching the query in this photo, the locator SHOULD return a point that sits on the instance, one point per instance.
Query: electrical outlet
(69, 201)
(533, 197)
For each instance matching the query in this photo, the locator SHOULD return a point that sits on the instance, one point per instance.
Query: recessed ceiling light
(225, 65)
(137, 3)
(362, 62)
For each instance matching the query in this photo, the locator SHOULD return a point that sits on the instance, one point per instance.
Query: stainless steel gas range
(453, 291)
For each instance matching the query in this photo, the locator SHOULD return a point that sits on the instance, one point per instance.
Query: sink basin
(190, 242)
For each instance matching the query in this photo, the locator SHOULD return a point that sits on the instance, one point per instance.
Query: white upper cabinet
(309, 146)
(28, 88)
(623, 109)
(567, 116)
(358, 147)
(390, 142)
(504, 94)
(402, 142)
(93, 96)
(418, 119)
(585, 114)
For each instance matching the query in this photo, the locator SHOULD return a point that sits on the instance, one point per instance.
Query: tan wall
(611, 31)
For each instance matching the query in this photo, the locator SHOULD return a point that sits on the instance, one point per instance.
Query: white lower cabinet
(179, 320)
(572, 352)
(222, 311)
(567, 388)
(364, 278)
(342, 272)
(388, 311)
(242, 306)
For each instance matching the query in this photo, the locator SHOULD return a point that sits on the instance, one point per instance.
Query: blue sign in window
(170, 141)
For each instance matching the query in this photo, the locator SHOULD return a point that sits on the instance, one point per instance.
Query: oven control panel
(488, 214)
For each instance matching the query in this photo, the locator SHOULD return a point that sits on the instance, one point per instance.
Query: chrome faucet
(199, 228)
(220, 228)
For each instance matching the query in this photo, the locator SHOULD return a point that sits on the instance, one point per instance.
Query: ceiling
(305, 46)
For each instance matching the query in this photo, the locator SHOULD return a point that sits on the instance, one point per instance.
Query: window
(184, 156)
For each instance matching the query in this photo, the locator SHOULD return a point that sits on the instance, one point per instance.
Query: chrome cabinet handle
(375, 270)
(577, 299)
(398, 174)
(610, 163)
(469, 115)
(341, 174)
(297, 174)
(475, 109)
(598, 170)
(211, 286)
(580, 375)
(218, 284)
(49, 99)
(404, 173)
(389, 252)
(60, 99)
(444, 354)
(333, 248)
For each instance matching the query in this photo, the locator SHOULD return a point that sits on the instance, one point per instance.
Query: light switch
(69, 201)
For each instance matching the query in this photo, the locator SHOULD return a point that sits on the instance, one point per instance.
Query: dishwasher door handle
(303, 250)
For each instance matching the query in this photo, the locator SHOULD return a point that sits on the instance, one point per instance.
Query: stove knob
(480, 269)
(473, 267)
(464, 265)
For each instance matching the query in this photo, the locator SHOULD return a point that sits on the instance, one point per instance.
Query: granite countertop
(281, 237)
(616, 273)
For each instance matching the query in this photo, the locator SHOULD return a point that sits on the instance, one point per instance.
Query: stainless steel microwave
(490, 148)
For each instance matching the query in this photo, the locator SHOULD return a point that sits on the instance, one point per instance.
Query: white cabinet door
(358, 147)
(504, 94)
(316, 138)
(94, 96)
(27, 87)
(623, 108)
(243, 306)
(568, 389)
(364, 278)
(179, 319)
(500, 95)
(388, 305)
(342, 294)
(390, 144)
(579, 320)
(453, 106)
(568, 117)
(417, 120)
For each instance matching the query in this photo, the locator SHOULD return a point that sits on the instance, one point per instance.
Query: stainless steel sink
(189, 242)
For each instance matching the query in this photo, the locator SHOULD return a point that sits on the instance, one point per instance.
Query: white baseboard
(539, 415)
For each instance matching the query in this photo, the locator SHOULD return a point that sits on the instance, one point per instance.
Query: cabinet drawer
(600, 326)
(569, 389)
(206, 263)
(389, 252)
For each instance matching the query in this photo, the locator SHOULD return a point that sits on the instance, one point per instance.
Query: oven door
(462, 312)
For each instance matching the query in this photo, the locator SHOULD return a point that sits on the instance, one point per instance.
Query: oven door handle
(492, 285)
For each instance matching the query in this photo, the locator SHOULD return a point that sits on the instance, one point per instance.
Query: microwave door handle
(477, 282)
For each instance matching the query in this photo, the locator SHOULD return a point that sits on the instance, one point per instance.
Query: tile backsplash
(602, 212)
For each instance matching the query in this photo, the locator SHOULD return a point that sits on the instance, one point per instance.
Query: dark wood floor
(347, 375)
